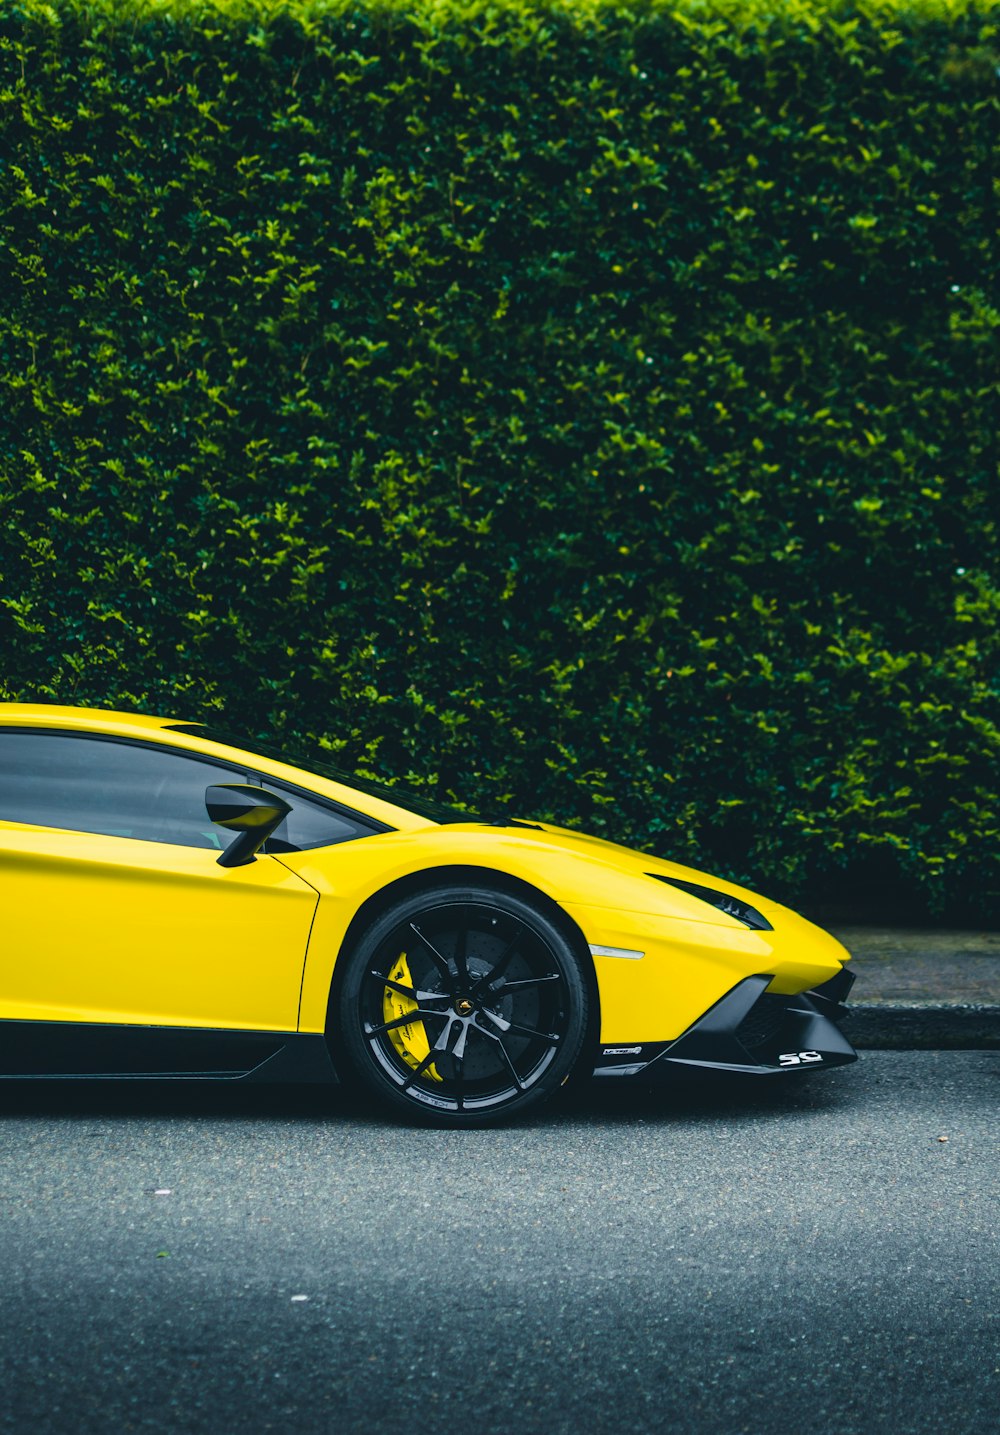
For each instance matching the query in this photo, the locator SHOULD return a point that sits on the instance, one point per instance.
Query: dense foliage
(592, 408)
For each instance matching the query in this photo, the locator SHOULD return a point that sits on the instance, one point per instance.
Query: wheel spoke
(421, 1067)
(501, 964)
(496, 1019)
(550, 1038)
(493, 1036)
(436, 956)
(528, 982)
(416, 1015)
(411, 992)
(461, 955)
(517, 1080)
(458, 1056)
(458, 1050)
(439, 1048)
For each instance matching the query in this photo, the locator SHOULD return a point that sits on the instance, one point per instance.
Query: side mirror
(251, 812)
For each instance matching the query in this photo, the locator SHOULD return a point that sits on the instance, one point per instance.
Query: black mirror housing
(250, 811)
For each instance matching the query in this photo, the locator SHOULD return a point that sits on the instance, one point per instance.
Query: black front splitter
(749, 1032)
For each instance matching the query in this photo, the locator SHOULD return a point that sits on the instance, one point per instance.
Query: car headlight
(732, 906)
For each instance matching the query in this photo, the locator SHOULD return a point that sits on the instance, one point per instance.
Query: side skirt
(93, 1051)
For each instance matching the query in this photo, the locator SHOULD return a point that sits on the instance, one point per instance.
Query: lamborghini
(179, 902)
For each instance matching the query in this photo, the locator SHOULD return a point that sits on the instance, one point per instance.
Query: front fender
(686, 967)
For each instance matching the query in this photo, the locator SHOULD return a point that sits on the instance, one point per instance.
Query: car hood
(602, 873)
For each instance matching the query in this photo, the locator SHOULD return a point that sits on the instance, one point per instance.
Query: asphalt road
(807, 1257)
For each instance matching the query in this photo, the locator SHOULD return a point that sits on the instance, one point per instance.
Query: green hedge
(592, 408)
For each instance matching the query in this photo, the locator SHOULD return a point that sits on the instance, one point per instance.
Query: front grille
(763, 1021)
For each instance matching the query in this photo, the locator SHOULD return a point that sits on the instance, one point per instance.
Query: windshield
(313, 758)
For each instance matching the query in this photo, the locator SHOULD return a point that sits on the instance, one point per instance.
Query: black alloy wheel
(462, 1006)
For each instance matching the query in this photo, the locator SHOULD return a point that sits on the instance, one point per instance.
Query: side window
(311, 823)
(120, 789)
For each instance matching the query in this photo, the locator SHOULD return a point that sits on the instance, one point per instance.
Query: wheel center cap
(463, 1006)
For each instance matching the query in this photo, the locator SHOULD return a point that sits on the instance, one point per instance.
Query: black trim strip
(66, 1050)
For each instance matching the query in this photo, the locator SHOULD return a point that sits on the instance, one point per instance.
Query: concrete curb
(916, 1026)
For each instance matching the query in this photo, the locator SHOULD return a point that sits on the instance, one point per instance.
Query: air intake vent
(763, 1021)
(721, 901)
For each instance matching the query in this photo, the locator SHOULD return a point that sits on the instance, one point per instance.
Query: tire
(461, 1006)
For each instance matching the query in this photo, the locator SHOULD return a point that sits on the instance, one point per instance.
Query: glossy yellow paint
(111, 929)
(104, 929)
(687, 964)
(687, 967)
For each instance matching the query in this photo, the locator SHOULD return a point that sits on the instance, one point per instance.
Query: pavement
(923, 988)
(748, 1259)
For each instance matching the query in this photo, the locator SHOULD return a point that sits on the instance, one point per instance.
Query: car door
(114, 906)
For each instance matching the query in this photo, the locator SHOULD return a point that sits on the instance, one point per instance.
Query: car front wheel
(462, 1006)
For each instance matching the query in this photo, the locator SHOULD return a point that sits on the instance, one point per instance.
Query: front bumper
(749, 1031)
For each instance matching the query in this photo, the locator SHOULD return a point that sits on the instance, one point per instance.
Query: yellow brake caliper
(410, 1040)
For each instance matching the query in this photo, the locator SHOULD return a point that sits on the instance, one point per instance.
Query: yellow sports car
(181, 903)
